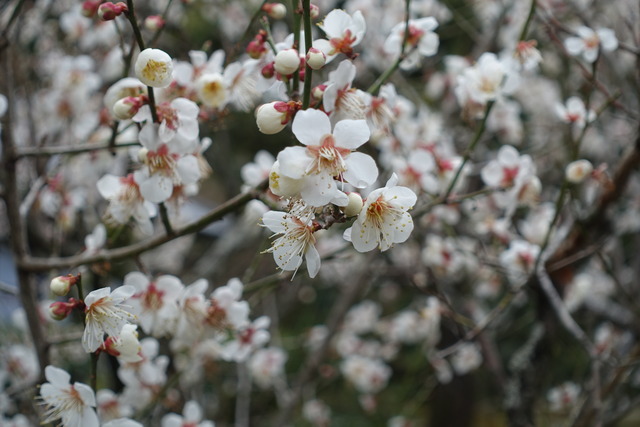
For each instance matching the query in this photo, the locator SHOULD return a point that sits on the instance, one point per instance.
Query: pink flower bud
(60, 310)
(315, 11)
(90, 8)
(126, 108)
(268, 71)
(287, 61)
(316, 58)
(255, 49)
(154, 22)
(275, 10)
(109, 11)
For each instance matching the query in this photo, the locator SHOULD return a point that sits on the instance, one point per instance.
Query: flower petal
(361, 170)
(311, 125)
(351, 134)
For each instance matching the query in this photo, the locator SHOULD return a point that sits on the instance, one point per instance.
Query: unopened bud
(287, 61)
(315, 11)
(109, 11)
(354, 206)
(275, 10)
(154, 22)
(126, 108)
(90, 8)
(578, 171)
(272, 117)
(61, 285)
(60, 310)
(268, 71)
(316, 58)
(318, 91)
(255, 49)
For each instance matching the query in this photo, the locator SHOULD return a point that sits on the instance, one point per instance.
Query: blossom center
(168, 115)
(414, 36)
(328, 157)
(154, 70)
(161, 160)
(153, 298)
(343, 45)
(509, 174)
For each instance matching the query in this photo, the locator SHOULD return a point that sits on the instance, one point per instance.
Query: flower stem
(93, 371)
(525, 28)
(403, 54)
(131, 16)
(469, 151)
(297, 17)
(164, 215)
(306, 16)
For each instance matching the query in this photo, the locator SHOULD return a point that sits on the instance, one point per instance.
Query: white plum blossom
(578, 170)
(327, 156)
(296, 240)
(589, 42)
(421, 41)
(339, 98)
(178, 117)
(563, 397)
(155, 302)
(125, 346)
(154, 68)
(343, 32)
(126, 201)
(384, 219)
(111, 406)
(167, 166)
(246, 340)
(226, 308)
(105, 313)
(575, 112)
(506, 168)
(211, 90)
(466, 359)
(122, 422)
(362, 317)
(519, 259)
(73, 404)
(368, 375)
(192, 312)
(316, 412)
(266, 365)
(255, 172)
(487, 80)
(191, 417)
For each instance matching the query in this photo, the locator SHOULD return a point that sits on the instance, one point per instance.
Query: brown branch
(69, 149)
(44, 264)
(17, 229)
